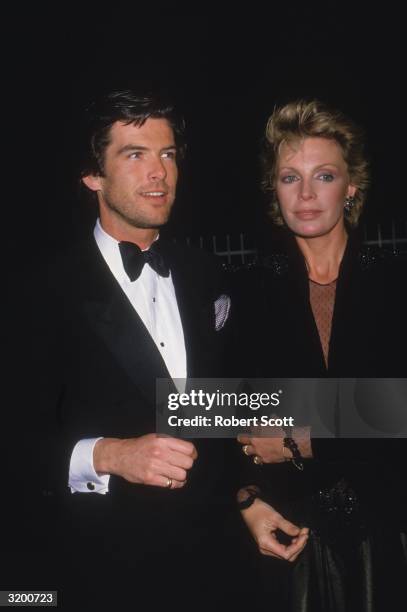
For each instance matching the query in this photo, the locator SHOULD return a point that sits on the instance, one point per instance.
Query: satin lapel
(192, 308)
(112, 317)
(186, 307)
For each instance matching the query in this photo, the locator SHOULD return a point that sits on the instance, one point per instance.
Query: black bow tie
(134, 259)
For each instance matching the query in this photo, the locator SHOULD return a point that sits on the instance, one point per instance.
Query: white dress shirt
(153, 298)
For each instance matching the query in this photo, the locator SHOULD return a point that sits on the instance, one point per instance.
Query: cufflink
(90, 486)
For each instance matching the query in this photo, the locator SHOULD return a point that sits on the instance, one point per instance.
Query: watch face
(247, 502)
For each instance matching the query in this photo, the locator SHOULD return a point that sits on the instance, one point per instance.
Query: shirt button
(90, 486)
(153, 299)
(162, 344)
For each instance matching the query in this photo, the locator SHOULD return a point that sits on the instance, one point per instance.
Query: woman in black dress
(327, 307)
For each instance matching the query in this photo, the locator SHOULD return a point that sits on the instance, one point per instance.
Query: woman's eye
(326, 177)
(289, 178)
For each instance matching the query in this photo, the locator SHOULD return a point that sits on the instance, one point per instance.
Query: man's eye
(169, 155)
(289, 178)
(326, 177)
(135, 155)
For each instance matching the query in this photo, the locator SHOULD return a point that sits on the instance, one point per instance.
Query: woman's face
(312, 183)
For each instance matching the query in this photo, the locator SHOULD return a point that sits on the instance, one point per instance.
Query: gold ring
(169, 483)
(244, 449)
(257, 460)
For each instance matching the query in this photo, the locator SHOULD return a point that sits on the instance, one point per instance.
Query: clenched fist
(149, 459)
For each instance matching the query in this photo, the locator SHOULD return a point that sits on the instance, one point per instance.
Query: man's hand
(149, 459)
(263, 522)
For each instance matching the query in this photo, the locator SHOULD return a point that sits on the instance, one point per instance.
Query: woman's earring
(349, 204)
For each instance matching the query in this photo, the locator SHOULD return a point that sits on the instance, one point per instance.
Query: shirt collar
(109, 247)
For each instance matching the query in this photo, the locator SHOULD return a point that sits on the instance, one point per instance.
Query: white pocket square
(222, 307)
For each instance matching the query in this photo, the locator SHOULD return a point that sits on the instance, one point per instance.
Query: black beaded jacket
(350, 481)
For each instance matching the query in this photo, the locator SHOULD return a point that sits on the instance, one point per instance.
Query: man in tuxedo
(129, 509)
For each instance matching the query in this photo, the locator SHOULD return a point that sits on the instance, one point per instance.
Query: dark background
(226, 73)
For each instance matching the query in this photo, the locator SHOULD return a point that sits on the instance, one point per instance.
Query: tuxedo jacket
(91, 371)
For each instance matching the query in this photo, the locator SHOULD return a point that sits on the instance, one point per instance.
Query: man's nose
(157, 170)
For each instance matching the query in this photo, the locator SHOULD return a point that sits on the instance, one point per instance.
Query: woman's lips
(306, 215)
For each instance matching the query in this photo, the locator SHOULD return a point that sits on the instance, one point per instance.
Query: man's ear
(92, 182)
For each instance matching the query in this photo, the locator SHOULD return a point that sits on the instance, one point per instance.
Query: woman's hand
(268, 445)
(268, 449)
(263, 522)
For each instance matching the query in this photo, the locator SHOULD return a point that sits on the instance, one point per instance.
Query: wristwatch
(253, 493)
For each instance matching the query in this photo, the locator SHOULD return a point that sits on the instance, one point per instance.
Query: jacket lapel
(195, 308)
(112, 317)
(302, 316)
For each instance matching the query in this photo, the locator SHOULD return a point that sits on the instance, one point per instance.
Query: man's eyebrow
(136, 147)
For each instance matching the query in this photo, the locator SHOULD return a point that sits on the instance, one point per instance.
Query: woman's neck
(323, 255)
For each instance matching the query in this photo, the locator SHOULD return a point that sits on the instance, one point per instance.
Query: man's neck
(122, 232)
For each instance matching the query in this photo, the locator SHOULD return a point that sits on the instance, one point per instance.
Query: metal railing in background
(393, 233)
(240, 249)
(233, 248)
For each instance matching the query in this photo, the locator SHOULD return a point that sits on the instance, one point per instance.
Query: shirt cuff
(82, 475)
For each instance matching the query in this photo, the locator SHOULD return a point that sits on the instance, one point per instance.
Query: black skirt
(348, 564)
(368, 577)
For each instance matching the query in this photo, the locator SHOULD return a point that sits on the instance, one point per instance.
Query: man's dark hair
(130, 108)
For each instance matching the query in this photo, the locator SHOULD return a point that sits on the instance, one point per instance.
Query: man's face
(140, 174)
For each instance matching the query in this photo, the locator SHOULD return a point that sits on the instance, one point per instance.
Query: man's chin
(149, 224)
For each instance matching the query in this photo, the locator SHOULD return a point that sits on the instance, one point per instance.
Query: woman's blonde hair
(302, 119)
